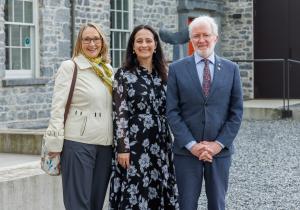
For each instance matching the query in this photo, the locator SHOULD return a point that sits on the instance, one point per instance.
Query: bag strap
(67, 108)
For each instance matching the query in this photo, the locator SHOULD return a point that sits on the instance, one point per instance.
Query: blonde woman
(85, 140)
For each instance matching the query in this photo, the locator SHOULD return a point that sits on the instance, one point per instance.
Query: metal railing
(289, 61)
(286, 112)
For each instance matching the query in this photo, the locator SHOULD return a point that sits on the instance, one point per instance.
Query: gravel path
(265, 174)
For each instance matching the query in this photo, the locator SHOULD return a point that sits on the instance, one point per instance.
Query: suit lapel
(217, 75)
(191, 68)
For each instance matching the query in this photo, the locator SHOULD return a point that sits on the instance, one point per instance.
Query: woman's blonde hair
(104, 49)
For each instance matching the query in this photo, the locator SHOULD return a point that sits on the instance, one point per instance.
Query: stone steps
(25, 186)
(261, 109)
(21, 141)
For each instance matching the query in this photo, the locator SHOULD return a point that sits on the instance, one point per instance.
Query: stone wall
(93, 11)
(158, 14)
(54, 28)
(236, 38)
(25, 107)
(28, 106)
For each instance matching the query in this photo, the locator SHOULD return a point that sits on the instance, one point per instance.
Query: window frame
(34, 38)
(118, 30)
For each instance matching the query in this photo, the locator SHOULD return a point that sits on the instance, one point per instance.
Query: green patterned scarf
(106, 77)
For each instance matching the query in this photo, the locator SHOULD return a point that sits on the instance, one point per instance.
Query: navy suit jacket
(194, 117)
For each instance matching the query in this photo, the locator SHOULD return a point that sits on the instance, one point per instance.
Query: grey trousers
(85, 173)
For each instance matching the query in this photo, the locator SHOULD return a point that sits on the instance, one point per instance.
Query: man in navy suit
(204, 109)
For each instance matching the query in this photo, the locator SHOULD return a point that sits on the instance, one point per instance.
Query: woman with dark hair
(143, 174)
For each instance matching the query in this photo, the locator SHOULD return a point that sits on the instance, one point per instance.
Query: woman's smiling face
(91, 42)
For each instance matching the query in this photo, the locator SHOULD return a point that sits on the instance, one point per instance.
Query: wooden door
(276, 35)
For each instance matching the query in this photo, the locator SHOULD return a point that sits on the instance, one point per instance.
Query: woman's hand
(53, 154)
(123, 160)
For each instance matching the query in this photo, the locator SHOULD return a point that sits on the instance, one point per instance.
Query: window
(20, 38)
(120, 24)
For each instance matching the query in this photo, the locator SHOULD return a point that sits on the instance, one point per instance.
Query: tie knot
(205, 60)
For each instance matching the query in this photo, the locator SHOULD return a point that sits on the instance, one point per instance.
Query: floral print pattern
(140, 128)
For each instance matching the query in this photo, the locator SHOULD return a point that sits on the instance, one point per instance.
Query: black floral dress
(140, 128)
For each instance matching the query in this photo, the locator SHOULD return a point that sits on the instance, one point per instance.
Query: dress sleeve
(121, 112)
(54, 135)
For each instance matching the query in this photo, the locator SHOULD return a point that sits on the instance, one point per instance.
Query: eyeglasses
(199, 36)
(87, 40)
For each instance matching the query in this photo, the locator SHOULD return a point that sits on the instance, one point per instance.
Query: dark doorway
(276, 35)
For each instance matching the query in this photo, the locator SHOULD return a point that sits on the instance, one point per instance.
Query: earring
(133, 52)
(154, 51)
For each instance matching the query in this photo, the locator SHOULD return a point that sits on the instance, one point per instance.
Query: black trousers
(86, 170)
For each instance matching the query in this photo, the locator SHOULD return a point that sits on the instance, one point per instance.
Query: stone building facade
(26, 102)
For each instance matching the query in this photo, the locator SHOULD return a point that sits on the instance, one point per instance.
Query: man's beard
(207, 52)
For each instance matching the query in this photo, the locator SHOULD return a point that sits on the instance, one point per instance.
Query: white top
(90, 117)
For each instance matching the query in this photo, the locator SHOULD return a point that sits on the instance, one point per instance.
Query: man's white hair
(204, 19)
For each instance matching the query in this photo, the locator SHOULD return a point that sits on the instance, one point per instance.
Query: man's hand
(212, 146)
(202, 152)
(197, 149)
(206, 156)
(123, 160)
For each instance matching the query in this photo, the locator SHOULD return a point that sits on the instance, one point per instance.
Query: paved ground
(265, 174)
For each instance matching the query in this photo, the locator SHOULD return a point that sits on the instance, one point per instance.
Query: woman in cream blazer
(85, 141)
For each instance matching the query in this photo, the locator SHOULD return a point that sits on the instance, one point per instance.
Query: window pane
(111, 41)
(16, 58)
(116, 42)
(119, 20)
(28, 11)
(119, 4)
(112, 20)
(125, 5)
(26, 58)
(26, 41)
(15, 35)
(111, 56)
(7, 35)
(112, 4)
(125, 20)
(7, 59)
(117, 58)
(18, 11)
(8, 10)
(123, 40)
(123, 55)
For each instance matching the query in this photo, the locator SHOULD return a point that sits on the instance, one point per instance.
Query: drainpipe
(72, 26)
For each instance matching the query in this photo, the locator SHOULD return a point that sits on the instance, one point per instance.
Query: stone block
(32, 115)
(21, 115)
(64, 49)
(3, 117)
(62, 16)
(43, 114)
(21, 141)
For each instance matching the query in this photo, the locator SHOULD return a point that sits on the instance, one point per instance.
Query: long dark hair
(158, 59)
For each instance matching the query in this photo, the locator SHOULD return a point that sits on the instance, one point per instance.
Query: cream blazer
(90, 117)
